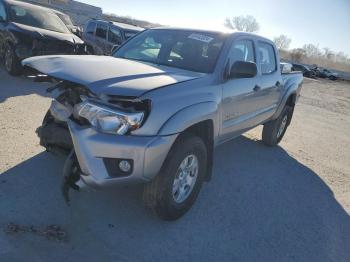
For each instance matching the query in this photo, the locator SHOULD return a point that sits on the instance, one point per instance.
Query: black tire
(158, 194)
(272, 134)
(90, 50)
(11, 61)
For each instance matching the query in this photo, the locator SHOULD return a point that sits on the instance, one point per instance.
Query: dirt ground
(289, 203)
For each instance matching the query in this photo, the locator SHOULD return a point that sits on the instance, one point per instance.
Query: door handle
(257, 88)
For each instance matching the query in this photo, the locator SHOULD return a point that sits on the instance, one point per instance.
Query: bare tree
(282, 42)
(328, 53)
(242, 23)
(297, 55)
(341, 57)
(312, 50)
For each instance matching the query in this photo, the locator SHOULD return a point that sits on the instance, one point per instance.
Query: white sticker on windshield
(202, 38)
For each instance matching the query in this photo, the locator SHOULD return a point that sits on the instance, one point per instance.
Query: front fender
(189, 116)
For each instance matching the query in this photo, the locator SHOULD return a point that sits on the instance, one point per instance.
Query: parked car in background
(307, 72)
(154, 111)
(102, 37)
(316, 69)
(28, 30)
(325, 73)
(68, 22)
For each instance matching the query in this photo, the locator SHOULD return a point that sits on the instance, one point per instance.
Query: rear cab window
(267, 58)
(101, 31)
(90, 29)
(114, 35)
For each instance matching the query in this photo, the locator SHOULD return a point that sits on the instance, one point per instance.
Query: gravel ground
(289, 203)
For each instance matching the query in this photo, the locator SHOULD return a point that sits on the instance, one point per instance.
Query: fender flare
(189, 116)
(291, 92)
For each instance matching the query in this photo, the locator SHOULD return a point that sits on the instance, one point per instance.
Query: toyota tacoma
(153, 112)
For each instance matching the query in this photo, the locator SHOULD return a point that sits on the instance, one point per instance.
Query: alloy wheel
(185, 179)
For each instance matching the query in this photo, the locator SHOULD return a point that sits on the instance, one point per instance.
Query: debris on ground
(51, 232)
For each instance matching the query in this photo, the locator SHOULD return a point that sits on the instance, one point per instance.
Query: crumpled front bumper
(92, 147)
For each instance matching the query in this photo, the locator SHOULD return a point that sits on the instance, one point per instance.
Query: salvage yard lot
(289, 203)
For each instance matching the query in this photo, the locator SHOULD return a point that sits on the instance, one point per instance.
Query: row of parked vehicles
(28, 30)
(315, 71)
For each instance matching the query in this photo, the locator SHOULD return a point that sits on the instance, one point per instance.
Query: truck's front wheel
(172, 193)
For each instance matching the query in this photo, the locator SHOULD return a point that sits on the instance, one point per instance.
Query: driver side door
(240, 96)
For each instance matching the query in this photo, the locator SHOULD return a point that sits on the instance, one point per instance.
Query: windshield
(36, 17)
(189, 50)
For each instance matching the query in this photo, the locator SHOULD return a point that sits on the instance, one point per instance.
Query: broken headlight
(109, 120)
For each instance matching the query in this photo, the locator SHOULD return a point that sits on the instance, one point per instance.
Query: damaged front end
(76, 105)
(54, 133)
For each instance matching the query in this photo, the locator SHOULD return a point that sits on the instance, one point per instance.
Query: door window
(267, 58)
(2, 11)
(90, 29)
(114, 36)
(101, 31)
(242, 50)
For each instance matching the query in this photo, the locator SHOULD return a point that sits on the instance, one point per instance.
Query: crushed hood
(109, 75)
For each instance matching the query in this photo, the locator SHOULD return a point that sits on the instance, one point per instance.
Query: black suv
(28, 30)
(102, 37)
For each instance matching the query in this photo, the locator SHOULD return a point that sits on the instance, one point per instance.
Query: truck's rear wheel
(172, 193)
(274, 130)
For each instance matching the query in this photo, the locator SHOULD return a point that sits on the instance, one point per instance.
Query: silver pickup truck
(154, 110)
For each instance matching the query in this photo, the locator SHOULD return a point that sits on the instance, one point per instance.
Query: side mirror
(242, 69)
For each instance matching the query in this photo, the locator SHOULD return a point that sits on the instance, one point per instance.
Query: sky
(322, 22)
